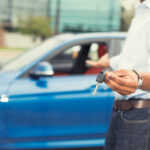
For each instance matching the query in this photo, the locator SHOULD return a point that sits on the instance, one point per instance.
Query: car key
(100, 78)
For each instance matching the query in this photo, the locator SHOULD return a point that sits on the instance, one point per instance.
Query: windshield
(33, 54)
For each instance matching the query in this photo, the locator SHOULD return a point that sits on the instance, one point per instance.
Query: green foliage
(38, 26)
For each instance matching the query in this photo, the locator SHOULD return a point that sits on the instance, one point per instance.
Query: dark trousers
(129, 130)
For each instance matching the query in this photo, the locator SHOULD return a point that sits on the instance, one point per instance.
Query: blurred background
(48, 106)
(26, 23)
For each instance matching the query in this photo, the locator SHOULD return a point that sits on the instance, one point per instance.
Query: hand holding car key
(100, 78)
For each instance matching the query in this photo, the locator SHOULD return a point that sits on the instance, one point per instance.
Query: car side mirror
(43, 69)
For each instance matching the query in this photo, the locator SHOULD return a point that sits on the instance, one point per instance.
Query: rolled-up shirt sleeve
(113, 62)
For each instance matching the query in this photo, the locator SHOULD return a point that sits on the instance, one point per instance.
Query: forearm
(146, 81)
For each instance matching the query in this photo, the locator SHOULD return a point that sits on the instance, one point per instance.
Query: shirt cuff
(114, 61)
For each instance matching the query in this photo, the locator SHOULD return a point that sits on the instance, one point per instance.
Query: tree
(37, 26)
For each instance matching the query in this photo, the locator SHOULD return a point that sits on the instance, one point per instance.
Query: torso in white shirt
(136, 52)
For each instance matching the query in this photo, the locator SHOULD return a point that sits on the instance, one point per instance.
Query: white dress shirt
(136, 52)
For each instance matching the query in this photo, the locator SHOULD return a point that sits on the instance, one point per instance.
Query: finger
(107, 76)
(118, 87)
(119, 91)
(122, 88)
(87, 61)
(124, 81)
(91, 63)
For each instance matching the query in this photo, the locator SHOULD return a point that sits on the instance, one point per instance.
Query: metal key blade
(96, 88)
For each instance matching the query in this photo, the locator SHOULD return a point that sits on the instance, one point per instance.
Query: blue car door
(58, 109)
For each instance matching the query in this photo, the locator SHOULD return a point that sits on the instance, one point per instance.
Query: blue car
(46, 94)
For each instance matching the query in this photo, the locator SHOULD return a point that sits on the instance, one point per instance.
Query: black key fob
(100, 77)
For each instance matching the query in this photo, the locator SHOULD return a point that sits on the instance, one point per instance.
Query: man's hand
(103, 62)
(95, 64)
(125, 82)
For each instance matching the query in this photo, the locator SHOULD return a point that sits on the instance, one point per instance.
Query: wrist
(139, 78)
(104, 64)
(143, 76)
